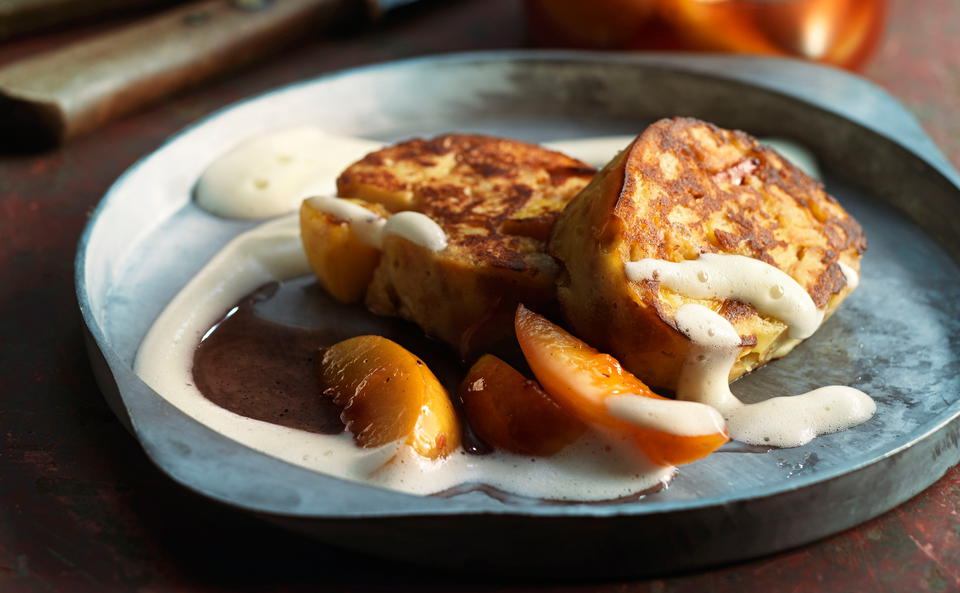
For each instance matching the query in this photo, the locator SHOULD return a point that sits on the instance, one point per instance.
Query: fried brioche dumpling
(683, 188)
(496, 200)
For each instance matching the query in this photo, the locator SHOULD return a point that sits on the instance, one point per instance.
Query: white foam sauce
(586, 470)
(365, 224)
(853, 278)
(788, 421)
(417, 228)
(270, 174)
(795, 420)
(683, 418)
(705, 374)
(371, 228)
(723, 276)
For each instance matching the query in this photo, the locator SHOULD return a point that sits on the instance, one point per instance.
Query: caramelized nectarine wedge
(512, 413)
(342, 262)
(594, 387)
(388, 394)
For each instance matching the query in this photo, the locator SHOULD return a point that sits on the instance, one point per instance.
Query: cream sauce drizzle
(705, 374)
(724, 276)
(851, 275)
(417, 228)
(789, 421)
(371, 228)
(365, 224)
(796, 420)
(270, 174)
(682, 418)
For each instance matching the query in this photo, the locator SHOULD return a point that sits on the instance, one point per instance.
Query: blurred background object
(54, 95)
(138, 55)
(23, 17)
(839, 32)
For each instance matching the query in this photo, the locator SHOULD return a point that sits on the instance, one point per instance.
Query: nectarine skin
(580, 379)
(343, 264)
(387, 395)
(512, 413)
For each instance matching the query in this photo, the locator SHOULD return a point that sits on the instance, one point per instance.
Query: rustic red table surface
(81, 507)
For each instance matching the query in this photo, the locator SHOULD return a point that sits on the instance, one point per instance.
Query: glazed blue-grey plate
(895, 338)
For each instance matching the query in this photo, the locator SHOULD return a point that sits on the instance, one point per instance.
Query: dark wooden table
(81, 507)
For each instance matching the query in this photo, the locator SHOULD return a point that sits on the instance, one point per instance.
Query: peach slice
(595, 388)
(387, 395)
(512, 413)
(342, 262)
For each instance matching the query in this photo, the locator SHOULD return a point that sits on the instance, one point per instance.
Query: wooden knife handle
(19, 17)
(53, 96)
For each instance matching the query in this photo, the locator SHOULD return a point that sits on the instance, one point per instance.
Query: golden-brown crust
(482, 182)
(496, 199)
(686, 187)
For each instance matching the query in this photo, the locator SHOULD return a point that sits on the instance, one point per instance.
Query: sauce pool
(265, 370)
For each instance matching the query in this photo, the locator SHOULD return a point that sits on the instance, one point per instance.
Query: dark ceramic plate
(895, 338)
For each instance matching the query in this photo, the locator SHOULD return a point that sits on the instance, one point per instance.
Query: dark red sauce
(260, 360)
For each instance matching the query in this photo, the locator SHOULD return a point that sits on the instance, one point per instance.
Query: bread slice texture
(682, 188)
(496, 200)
